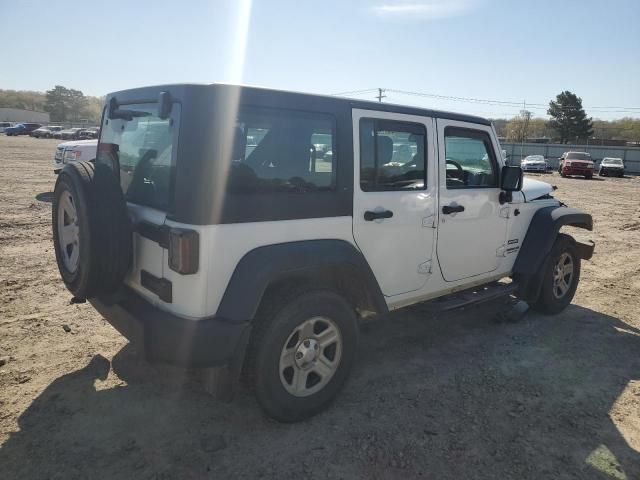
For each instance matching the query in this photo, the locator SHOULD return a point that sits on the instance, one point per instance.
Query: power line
(490, 102)
(356, 92)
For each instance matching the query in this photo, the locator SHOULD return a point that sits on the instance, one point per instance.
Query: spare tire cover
(91, 229)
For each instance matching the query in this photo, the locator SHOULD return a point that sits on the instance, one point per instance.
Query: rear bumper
(167, 338)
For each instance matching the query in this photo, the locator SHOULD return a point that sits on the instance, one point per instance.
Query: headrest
(385, 149)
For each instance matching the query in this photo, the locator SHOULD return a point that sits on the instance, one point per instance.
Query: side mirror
(511, 179)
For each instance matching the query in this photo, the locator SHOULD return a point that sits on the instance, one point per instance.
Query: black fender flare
(328, 263)
(538, 242)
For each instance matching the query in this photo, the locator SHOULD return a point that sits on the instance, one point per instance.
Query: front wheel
(589, 176)
(560, 278)
(301, 354)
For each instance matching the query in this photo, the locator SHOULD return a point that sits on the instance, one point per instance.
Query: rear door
(472, 224)
(394, 197)
(142, 149)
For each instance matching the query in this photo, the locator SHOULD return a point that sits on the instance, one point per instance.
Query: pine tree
(568, 118)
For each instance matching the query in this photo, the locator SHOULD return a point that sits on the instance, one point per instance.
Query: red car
(576, 163)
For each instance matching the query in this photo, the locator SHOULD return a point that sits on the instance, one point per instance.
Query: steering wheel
(458, 167)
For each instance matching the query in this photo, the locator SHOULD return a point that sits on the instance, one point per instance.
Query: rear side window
(282, 151)
(142, 149)
(391, 155)
(470, 160)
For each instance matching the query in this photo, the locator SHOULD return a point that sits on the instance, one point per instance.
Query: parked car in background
(70, 133)
(89, 133)
(611, 167)
(79, 150)
(576, 163)
(21, 129)
(4, 125)
(534, 163)
(45, 132)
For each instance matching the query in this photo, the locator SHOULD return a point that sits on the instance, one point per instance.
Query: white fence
(552, 151)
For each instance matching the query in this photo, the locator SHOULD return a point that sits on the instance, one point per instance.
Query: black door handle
(370, 216)
(447, 209)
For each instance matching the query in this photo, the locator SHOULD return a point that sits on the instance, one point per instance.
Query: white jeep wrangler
(252, 229)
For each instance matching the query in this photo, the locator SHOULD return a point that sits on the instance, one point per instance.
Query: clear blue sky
(490, 49)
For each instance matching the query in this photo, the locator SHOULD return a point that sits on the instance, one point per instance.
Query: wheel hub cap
(562, 275)
(68, 232)
(307, 353)
(310, 356)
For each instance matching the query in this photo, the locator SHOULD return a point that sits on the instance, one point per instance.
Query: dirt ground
(455, 396)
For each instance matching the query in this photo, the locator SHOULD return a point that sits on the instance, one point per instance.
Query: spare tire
(91, 229)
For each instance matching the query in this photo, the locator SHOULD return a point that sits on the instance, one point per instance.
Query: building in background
(17, 115)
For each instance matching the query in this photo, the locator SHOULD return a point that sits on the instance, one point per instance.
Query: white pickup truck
(74, 151)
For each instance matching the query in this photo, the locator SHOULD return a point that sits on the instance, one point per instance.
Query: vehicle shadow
(45, 197)
(455, 396)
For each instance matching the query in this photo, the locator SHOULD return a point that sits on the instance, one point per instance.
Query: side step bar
(472, 296)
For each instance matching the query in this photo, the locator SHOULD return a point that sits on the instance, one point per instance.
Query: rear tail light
(184, 250)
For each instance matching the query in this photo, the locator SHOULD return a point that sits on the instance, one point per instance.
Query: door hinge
(425, 268)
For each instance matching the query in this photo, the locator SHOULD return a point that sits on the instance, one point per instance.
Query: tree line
(63, 104)
(568, 123)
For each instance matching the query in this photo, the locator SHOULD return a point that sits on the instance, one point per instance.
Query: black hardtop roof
(182, 89)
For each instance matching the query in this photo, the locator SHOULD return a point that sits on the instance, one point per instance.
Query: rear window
(142, 150)
(578, 156)
(282, 151)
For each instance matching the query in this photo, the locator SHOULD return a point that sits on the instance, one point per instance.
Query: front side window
(141, 147)
(470, 161)
(391, 155)
(282, 151)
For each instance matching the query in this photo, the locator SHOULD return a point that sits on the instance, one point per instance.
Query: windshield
(534, 158)
(142, 150)
(578, 156)
(612, 161)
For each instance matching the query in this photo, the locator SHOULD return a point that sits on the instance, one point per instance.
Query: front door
(472, 223)
(394, 197)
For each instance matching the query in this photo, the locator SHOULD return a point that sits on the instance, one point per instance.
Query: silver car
(534, 163)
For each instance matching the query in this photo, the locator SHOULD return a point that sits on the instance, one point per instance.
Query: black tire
(548, 302)
(589, 176)
(278, 319)
(104, 231)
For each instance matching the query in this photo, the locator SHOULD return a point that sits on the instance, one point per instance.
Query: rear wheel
(561, 277)
(301, 354)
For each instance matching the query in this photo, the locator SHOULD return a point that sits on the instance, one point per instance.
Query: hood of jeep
(533, 189)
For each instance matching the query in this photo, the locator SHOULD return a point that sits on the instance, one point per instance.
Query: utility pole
(380, 94)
